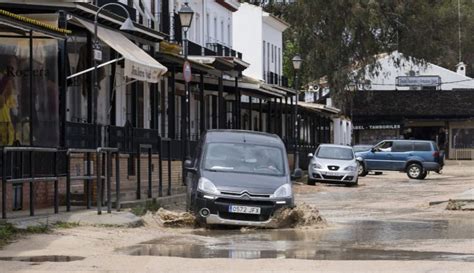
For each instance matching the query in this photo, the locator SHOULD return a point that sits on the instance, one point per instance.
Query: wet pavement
(355, 240)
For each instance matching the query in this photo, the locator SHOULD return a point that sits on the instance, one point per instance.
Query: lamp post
(297, 172)
(126, 25)
(186, 17)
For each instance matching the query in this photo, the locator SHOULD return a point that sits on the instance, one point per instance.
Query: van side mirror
(297, 174)
(373, 150)
(360, 159)
(188, 165)
(310, 155)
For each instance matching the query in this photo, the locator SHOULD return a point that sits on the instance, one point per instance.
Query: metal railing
(149, 150)
(463, 153)
(31, 179)
(107, 152)
(101, 153)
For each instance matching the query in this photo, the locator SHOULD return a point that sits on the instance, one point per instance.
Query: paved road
(383, 225)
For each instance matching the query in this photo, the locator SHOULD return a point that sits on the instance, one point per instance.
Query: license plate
(332, 174)
(244, 209)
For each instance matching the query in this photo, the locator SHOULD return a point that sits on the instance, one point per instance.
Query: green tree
(334, 37)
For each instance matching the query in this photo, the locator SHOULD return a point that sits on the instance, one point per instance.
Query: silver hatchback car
(333, 164)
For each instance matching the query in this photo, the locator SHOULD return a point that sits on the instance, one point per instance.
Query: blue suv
(415, 157)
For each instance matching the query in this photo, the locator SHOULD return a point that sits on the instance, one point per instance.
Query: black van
(238, 178)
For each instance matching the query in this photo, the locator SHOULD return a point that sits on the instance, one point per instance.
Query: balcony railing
(212, 49)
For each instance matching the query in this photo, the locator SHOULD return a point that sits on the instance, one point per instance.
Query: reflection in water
(354, 241)
(42, 259)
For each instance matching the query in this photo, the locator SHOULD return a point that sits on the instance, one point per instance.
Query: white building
(391, 66)
(259, 36)
(212, 21)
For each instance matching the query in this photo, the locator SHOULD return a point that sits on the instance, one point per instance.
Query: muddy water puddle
(359, 240)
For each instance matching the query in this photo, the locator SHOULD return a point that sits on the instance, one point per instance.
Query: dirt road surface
(383, 225)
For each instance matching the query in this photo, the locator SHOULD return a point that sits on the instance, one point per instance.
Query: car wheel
(362, 171)
(311, 182)
(415, 171)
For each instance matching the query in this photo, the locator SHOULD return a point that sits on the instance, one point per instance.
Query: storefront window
(462, 138)
(22, 102)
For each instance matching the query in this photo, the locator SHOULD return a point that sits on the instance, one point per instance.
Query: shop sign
(97, 51)
(377, 127)
(418, 81)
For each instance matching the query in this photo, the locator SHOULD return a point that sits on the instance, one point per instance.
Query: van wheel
(415, 171)
(311, 182)
(362, 171)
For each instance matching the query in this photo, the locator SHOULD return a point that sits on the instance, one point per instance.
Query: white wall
(274, 37)
(389, 71)
(342, 131)
(200, 32)
(254, 28)
(247, 38)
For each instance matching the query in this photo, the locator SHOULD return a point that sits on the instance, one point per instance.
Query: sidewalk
(82, 217)
(466, 169)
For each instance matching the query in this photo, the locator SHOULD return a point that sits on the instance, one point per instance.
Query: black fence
(303, 151)
(83, 135)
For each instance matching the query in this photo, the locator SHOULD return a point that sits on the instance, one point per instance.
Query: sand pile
(302, 215)
(459, 205)
(454, 205)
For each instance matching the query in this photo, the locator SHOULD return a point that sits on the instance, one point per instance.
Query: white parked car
(333, 164)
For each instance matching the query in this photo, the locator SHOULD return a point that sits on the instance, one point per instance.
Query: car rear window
(422, 146)
(331, 152)
(402, 146)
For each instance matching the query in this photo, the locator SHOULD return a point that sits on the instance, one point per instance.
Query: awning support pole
(92, 68)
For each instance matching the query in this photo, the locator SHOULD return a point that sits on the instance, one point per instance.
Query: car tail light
(436, 154)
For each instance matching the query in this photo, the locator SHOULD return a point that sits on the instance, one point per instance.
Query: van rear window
(422, 146)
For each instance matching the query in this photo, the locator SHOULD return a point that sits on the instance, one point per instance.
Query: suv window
(402, 146)
(423, 146)
(385, 146)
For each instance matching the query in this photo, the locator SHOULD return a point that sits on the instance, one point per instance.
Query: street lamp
(186, 17)
(297, 172)
(126, 25)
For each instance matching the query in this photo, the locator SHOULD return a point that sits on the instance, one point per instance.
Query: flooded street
(363, 224)
(358, 240)
(385, 221)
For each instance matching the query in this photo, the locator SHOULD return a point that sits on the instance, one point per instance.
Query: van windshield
(243, 158)
(335, 153)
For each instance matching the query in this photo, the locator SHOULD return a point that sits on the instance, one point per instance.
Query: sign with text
(418, 81)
